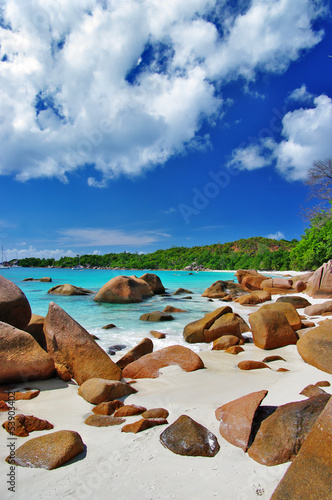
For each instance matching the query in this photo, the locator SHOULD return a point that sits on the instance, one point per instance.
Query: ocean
(129, 328)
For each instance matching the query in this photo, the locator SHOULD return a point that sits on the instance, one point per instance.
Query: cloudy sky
(141, 124)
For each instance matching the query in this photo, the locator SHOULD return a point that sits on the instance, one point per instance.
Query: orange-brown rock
(103, 421)
(62, 372)
(144, 347)
(321, 279)
(154, 283)
(143, 424)
(278, 291)
(312, 390)
(155, 413)
(319, 309)
(182, 291)
(123, 290)
(69, 344)
(227, 324)
(4, 406)
(22, 425)
(226, 341)
(171, 309)
(299, 286)
(249, 299)
(158, 335)
(276, 283)
(16, 393)
(282, 370)
(98, 390)
(129, 410)
(14, 306)
(149, 365)
(36, 329)
(242, 273)
(234, 349)
(296, 301)
(307, 324)
(262, 294)
(236, 418)
(187, 437)
(68, 289)
(315, 347)
(268, 359)
(282, 434)
(108, 407)
(251, 365)
(309, 475)
(216, 291)
(21, 356)
(271, 329)
(323, 383)
(289, 311)
(156, 316)
(49, 451)
(252, 282)
(194, 331)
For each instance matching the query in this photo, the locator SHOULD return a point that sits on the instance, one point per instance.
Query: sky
(136, 125)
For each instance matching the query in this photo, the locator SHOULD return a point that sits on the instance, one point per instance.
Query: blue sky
(142, 124)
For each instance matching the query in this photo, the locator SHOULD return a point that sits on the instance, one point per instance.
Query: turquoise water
(130, 330)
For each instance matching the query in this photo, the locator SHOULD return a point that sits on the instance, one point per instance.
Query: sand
(138, 467)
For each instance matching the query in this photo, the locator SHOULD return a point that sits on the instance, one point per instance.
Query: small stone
(16, 393)
(108, 407)
(129, 410)
(268, 359)
(251, 365)
(103, 421)
(109, 326)
(235, 349)
(155, 413)
(22, 425)
(312, 390)
(323, 383)
(143, 424)
(158, 335)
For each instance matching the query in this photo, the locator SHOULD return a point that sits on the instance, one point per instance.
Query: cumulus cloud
(276, 236)
(107, 237)
(31, 251)
(123, 86)
(301, 94)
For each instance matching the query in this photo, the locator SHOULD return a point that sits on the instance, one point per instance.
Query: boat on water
(3, 263)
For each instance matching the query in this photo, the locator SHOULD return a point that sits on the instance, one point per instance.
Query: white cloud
(301, 94)
(107, 237)
(31, 251)
(252, 157)
(276, 236)
(126, 85)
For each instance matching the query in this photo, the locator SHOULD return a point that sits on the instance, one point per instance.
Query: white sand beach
(137, 466)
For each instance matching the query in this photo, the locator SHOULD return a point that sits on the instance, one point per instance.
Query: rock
(270, 329)
(308, 324)
(194, 331)
(171, 309)
(299, 286)
(155, 413)
(158, 335)
(69, 344)
(225, 342)
(227, 324)
(263, 295)
(16, 393)
(156, 316)
(282, 370)
(301, 277)
(143, 424)
(46, 279)
(216, 290)
(236, 418)
(22, 358)
(108, 407)
(14, 306)
(289, 311)
(253, 282)
(276, 283)
(181, 291)
(323, 383)
(103, 421)
(312, 390)
(278, 291)
(309, 475)
(322, 294)
(234, 349)
(49, 451)
(250, 299)
(69, 290)
(108, 327)
(154, 283)
(297, 302)
(124, 290)
(144, 347)
(36, 329)
(187, 437)
(315, 347)
(4, 406)
(62, 372)
(268, 359)
(22, 425)
(319, 309)
(242, 273)
(98, 390)
(251, 365)
(149, 365)
(281, 435)
(321, 279)
(129, 410)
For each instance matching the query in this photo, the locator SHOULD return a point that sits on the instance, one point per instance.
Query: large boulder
(236, 418)
(315, 347)
(49, 451)
(149, 365)
(309, 475)
(69, 344)
(21, 356)
(144, 347)
(216, 290)
(195, 331)
(281, 434)
(36, 329)
(14, 306)
(187, 437)
(242, 273)
(276, 283)
(321, 280)
(227, 324)
(318, 309)
(253, 282)
(98, 390)
(296, 301)
(123, 290)
(154, 283)
(270, 329)
(289, 311)
(67, 289)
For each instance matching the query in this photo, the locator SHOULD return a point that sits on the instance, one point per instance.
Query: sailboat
(3, 264)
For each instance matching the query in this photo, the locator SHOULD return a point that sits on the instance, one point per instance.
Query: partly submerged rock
(123, 290)
(154, 283)
(68, 289)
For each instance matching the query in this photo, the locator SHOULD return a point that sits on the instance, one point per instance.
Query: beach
(135, 466)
